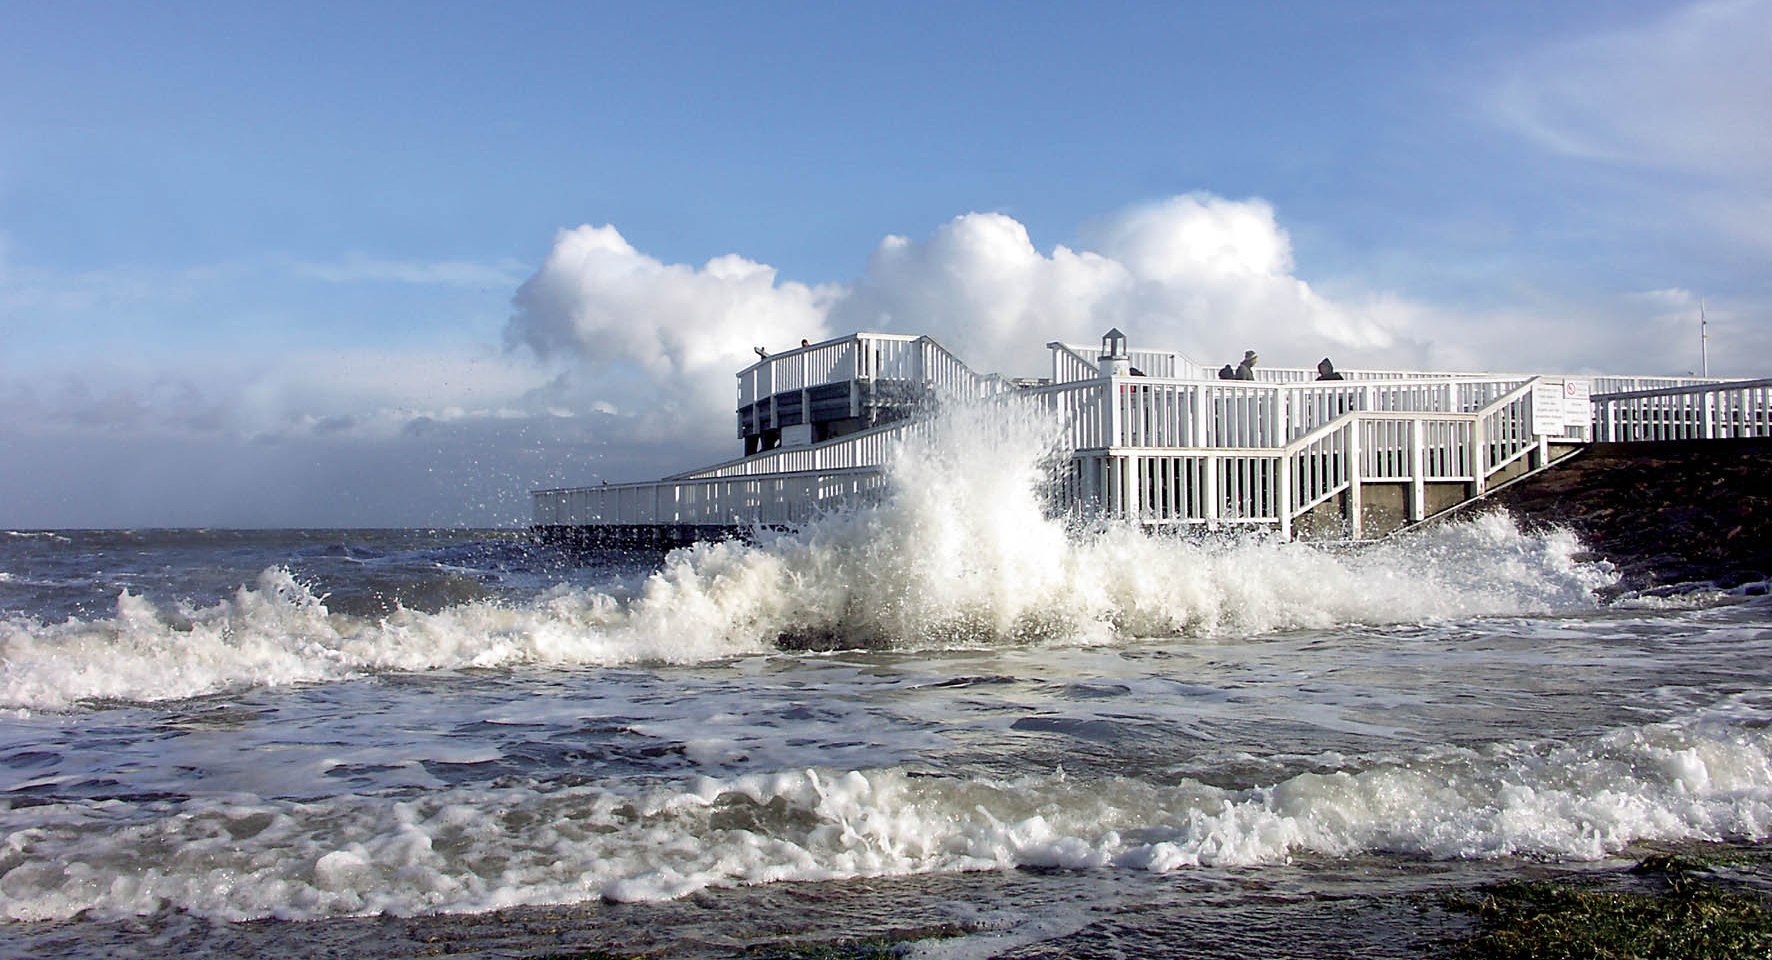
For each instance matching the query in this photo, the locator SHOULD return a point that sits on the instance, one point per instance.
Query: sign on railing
(1560, 403)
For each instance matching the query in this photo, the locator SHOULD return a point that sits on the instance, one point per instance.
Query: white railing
(1072, 362)
(830, 361)
(867, 448)
(953, 379)
(1309, 374)
(1160, 451)
(1224, 443)
(864, 356)
(1270, 484)
(783, 499)
(1176, 445)
(1162, 363)
(1077, 405)
(891, 357)
(1152, 412)
(1708, 411)
(1617, 384)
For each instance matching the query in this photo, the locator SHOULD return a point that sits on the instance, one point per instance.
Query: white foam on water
(1684, 600)
(484, 848)
(960, 553)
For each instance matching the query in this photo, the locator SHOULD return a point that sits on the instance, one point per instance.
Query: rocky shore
(1669, 515)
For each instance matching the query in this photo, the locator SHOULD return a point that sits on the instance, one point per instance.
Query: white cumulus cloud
(684, 330)
(1199, 273)
(653, 346)
(980, 286)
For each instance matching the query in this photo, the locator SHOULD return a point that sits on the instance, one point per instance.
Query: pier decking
(1156, 439)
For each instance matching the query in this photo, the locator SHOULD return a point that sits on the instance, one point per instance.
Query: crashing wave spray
(962, 549)
(960, 552)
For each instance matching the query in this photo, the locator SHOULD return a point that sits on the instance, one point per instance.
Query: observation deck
(1156, 439)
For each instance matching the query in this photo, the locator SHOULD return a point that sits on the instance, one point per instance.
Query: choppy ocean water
(945, 714)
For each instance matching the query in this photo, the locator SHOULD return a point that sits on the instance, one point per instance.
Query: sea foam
(467, 849)
(960, 552)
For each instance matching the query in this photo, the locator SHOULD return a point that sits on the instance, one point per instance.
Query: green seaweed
(1689, 915)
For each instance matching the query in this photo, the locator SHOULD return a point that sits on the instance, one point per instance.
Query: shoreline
(1310, 908)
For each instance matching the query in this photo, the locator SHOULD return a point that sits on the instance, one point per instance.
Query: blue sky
(261, 264)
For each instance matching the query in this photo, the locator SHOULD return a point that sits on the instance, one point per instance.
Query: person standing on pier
(1246, 369)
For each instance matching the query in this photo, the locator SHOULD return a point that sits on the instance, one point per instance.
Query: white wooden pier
(1157, 439)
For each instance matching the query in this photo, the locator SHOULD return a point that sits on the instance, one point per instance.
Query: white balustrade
(1174, 445)
(1708, 411)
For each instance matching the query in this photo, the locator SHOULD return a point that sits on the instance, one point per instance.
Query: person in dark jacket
(1246, 369)
(1326, 370)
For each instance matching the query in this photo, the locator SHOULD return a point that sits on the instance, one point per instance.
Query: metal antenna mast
(1703, 341)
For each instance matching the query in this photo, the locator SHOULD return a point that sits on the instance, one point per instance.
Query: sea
(949, 720)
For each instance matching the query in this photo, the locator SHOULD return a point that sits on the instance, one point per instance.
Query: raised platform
(1155, 440)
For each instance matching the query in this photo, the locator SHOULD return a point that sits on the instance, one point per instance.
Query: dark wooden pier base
(637, 534)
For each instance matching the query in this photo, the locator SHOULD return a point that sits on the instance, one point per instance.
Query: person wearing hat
(1246, 369)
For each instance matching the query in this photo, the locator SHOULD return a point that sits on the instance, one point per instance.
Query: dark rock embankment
(1670, 513)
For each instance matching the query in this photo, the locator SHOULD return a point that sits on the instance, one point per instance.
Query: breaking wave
(961, 552)
(464, 849)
